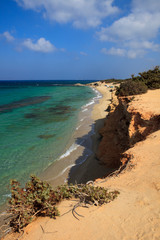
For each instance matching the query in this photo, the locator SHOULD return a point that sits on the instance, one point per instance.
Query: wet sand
(78, 162)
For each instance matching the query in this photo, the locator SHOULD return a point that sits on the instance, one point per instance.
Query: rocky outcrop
(124, 126)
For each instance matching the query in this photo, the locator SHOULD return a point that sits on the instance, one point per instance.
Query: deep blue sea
(37, 119)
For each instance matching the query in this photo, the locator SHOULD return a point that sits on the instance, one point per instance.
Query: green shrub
(131, 88)
(139, 84)
(151, 78)
(39, 199)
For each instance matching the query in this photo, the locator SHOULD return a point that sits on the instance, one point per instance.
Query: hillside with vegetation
(140, 84)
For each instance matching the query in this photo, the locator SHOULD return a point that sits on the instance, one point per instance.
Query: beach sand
(134, 215)
(76, 167)
(81, 164)
(92, 169)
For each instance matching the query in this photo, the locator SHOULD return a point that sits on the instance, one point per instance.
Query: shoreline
(135, 213)
(80, 170)
(92, 169)
(73, 165)
(85, 167)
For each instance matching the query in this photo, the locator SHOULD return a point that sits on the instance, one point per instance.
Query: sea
(38, 119)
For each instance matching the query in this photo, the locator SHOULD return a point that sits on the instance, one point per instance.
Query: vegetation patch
(141, 83)
(39, 199)
(129, 88)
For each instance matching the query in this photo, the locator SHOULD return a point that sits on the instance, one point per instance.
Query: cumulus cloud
(42, 45)
(143, 45)
(135, 26)
(8, 36)
(137, 30)
(146, 5)
(123, 52)
(81, 13)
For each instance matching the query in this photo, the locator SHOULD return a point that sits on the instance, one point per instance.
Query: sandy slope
(134, 215)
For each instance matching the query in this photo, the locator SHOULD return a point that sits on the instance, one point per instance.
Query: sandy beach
(91, 169)
(135, 214)
(76, 166)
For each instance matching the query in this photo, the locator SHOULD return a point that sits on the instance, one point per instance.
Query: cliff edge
(131, 121)
(133, 129)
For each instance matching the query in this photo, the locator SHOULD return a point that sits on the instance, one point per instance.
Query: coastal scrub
(141, 83)
(39, 199)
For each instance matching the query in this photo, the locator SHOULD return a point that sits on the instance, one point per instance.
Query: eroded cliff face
(124, 126)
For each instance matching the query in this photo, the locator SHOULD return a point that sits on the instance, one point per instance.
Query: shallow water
(36, 124)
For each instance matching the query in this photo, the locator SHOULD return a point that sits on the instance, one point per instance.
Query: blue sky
(78, 39)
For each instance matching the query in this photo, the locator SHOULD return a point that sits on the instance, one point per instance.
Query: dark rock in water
(46, 136)
(22, 103)
(30, 115)
(31, 148)
(51, 114)
(60, 109)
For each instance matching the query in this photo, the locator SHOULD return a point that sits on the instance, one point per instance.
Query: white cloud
(114, 51)
(146, 5)
(123, 52)
(83, 53)
(143, 45)
(136, 31)
(135, 53)
(81, 13)
(42, 45)
(8, 36)
(140, 26)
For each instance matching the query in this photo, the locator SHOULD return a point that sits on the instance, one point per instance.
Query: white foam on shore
(73, 147)
(86, 109)
(82, 119)
(78, 127)
(98, 94)
(69, 167)
(88, 104)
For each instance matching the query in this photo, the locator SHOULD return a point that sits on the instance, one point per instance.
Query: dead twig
(46, 232)
(66, 212)
(74, 211)
(21, 235)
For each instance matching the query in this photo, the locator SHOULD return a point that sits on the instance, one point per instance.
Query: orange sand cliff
(130, 122)
(132, 129)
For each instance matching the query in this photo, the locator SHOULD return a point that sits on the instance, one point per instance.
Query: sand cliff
(127, 124)
(131, 132)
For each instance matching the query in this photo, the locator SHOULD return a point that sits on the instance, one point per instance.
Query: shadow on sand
(87, 166)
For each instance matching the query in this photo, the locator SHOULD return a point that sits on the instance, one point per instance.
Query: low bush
(151, 78)
(139, 84)
(131, 88)
(39, 199)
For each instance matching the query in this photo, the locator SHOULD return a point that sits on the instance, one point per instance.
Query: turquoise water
(36, 123)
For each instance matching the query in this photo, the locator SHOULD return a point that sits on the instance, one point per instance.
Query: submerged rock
(22, 103)
(46, 136)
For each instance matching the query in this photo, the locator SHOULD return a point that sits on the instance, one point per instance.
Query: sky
(78, 39)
